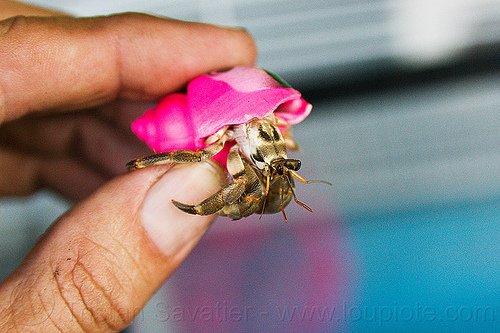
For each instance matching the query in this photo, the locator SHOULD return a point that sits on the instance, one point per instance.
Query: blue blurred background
(405, 126)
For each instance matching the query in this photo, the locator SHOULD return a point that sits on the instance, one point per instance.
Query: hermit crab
(242, 119)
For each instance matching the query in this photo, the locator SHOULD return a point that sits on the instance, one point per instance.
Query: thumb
(96, 267)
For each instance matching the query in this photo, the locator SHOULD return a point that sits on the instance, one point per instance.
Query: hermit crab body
(246, 109)
(262, 174)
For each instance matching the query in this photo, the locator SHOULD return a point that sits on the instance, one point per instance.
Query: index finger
(64, 63)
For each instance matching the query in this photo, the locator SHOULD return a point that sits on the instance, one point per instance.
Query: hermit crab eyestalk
(276, 167)
(292, 164)
(279, 166)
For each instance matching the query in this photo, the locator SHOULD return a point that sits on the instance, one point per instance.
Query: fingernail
(173, 231)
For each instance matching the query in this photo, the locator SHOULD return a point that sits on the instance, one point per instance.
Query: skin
(69, 88)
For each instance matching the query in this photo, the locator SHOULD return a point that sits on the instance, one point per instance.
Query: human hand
(96, 267)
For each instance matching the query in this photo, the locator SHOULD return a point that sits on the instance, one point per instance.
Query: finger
(23, 174)
(97, 266)
(68, 177)
(95, 141)
(18, 174)
(12, 8)
(69, 63)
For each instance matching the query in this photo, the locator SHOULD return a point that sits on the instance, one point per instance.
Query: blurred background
(405, 125)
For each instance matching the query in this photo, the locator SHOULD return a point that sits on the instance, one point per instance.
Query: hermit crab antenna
(299, 177)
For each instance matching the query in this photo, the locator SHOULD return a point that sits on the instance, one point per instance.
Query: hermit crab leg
(217, 201)
(217, 136)
(268, 180)
(295, 197)
(178, 156)
(280, 122)
(238, 196)
(281, 202)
